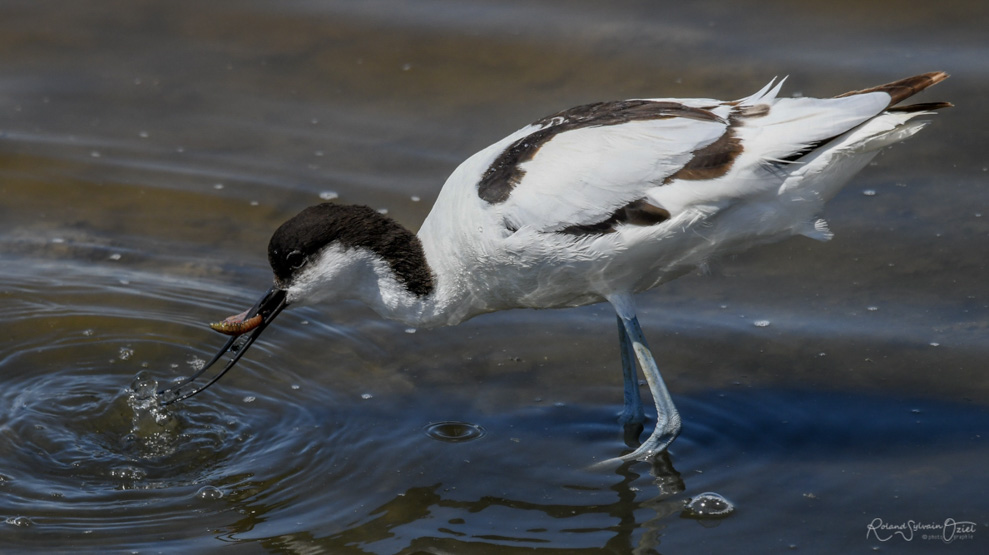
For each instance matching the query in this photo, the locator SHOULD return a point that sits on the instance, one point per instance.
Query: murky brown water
(148, 149)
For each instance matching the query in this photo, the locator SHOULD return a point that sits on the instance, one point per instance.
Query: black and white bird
(592, 204)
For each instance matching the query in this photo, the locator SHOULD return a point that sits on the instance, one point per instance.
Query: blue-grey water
(148, 149)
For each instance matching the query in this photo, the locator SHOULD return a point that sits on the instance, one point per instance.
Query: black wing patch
(638, 212)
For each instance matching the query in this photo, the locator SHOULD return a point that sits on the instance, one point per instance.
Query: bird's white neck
(357, 273)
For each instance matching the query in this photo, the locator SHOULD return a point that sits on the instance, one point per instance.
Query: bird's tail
(904, 89)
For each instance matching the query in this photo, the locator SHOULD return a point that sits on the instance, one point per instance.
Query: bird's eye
(296, 259)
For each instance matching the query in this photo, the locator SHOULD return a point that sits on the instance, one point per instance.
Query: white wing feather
(581, 177)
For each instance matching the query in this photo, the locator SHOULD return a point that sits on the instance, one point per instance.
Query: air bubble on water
(116, 256)
(296, 386)
(196, 363)
(88, 332)
(22, 521)
(366, 396)
(872, 308)
(869, 192)
(250, 399)
(209, 493)
(125, 353)
(415, 198)
(410, 330)
(218, 186)
(708, 505)
(329, 195)
(761, 323)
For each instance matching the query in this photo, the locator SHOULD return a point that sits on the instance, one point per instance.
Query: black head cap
(298, 241)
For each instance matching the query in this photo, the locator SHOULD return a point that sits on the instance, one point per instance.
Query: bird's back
(622, 196)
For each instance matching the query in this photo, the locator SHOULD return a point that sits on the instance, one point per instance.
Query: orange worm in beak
(237, 325)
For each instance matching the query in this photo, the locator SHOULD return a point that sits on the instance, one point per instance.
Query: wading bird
(592, 204)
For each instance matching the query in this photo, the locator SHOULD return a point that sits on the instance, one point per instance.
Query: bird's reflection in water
(428, 519)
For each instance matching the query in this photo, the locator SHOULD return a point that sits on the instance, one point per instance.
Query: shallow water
(148, 149)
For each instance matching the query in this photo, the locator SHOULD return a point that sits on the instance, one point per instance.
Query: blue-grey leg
(632, 413)
(667, 418)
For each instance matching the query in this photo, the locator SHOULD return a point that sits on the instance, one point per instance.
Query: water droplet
(708, 505)
(144, 386)
(128, 473)
(209, 493)
(453, 431)
(329, 195)
(761, 323)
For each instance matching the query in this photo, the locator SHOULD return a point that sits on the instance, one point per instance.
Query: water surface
(148, 149)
